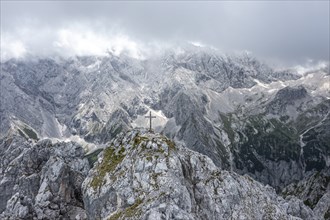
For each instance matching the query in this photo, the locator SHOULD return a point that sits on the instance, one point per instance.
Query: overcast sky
(295, 31)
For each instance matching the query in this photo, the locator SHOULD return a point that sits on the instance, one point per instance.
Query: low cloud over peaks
(66, 42)
(289, 31)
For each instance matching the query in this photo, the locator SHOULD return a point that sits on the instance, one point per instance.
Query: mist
(293, 31)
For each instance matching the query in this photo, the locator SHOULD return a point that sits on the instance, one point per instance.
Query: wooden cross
(150, 117)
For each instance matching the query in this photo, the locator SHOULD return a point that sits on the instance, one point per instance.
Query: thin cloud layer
(282, 30)
(86, 42)
(66, 41)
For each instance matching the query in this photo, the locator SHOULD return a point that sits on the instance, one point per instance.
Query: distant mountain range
(273, 125)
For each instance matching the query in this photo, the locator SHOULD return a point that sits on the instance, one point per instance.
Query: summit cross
(150, 117)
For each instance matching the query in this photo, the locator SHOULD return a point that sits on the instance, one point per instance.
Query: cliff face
(42, 180)
(146, 176)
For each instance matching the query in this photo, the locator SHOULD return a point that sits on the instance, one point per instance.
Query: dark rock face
(41, 181)
(311, 189)
(316, 149)
(279, 152)
(285, 97)
(269, 151)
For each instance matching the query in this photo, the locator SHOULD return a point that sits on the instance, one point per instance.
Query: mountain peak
(143, 175)
(137, 143)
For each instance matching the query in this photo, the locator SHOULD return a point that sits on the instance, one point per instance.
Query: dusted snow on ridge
(273, 125)
(146, 176)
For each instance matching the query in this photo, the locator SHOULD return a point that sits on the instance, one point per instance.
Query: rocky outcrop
(42, 180)
(146, 176)
(314, 191)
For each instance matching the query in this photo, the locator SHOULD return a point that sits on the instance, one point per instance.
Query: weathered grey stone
(43, 181)
(180, 184)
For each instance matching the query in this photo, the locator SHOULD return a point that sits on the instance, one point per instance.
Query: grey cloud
(286, 30)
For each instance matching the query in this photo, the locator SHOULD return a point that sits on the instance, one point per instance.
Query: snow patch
(261, 84)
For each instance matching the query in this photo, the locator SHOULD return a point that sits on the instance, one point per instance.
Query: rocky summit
(140, 175)
(143, 175)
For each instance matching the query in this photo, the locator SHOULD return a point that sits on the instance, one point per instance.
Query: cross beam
(150, 117)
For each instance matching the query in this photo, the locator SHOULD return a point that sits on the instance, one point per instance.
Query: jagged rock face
(244, 115)
(80, 95)
(42, 180)
(146, 176)
(311, 190)
(314, 190)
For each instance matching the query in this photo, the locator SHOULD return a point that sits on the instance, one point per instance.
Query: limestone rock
(42, 180)
(134, 181)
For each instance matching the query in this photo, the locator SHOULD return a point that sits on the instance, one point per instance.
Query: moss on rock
(110, 161)
(129, 212)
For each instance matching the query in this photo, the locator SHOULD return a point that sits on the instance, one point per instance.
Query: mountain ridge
(235, 110)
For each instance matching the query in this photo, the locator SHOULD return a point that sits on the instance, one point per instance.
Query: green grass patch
(138, 139)
(149, 158)
(110, 161)
(171, 144)
(129, 212)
